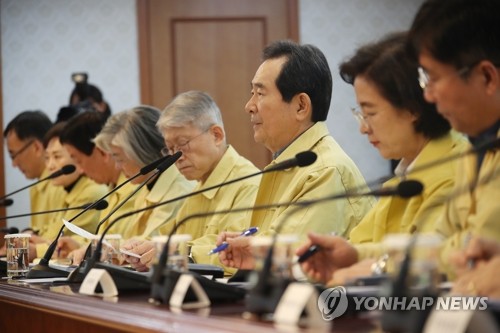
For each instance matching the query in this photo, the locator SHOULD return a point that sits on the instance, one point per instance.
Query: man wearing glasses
(24, 138)
(457, 45)
(192, 123)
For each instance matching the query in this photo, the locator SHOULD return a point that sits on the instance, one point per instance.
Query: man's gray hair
(194, 108)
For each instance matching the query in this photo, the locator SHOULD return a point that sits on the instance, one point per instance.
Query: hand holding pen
(224, 245)
(323, 255)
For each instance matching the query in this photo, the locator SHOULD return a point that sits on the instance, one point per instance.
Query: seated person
(478, 267)
(192, 123)
(402, 126)
(79, 189)
(288, 117)
(24, 140)
(463, 79)
(133, 140)
(97, 164)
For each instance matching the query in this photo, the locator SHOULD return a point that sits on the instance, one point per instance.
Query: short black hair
(393, 71)
(80, 131)
(306, 71)
(29, 125)
(457, 32)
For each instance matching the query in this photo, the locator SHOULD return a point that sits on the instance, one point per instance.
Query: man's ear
(304, 107)
(491, 76)
(218, 133)
(39, 148)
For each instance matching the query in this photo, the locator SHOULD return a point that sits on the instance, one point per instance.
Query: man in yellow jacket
(24, 139)
(463, 79)
(291, 93)
(77, 137)
(192, 123)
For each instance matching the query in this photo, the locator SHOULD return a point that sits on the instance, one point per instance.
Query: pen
(314, 248)
(471, 262)
(309, 253)
(224, 245)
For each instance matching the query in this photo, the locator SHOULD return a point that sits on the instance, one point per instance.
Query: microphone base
(42, 271)
(217, 292)
(265, 296)
(126, 279)
(3, 268)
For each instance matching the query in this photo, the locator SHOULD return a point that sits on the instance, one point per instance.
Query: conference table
(59, 307)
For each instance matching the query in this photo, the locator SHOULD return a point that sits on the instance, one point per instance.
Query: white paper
(131, 254)
(84, 233)
(44, 280)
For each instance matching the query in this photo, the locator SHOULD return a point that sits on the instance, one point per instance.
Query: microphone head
(151, 166)
(409, 188)
(103, 204)
(306, 158)
(68, 169)
(6, 202)
(11, 230)
(169, 161)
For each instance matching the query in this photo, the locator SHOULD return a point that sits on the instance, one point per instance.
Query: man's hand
(238, 254)
(147, 251)
(335, 253)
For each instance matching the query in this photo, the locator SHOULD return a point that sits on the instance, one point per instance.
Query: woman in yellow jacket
(402, 126)
(79, 190)
(133, 140)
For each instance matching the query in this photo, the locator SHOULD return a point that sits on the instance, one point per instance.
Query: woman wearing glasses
(402, 126)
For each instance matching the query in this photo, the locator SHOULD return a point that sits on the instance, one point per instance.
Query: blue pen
(224, 245)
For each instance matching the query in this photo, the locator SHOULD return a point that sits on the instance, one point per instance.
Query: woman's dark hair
(393, 71)
(54, 132)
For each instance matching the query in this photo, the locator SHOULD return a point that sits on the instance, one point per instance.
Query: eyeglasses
(426, 82)
(360, 117)
(184, 147)
(23, 148)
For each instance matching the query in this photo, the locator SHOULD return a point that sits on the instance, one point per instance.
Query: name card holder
(184, 283)
(93, 278)
(298, 305)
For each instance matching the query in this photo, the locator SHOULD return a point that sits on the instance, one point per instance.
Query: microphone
(265, 296)
(397, 321)
(161, 290)
(304, 158)
(6, 202)
(65, 170)
(99, 206)
(42, 269)
(84, 266)
(11, 230)
(405, 189)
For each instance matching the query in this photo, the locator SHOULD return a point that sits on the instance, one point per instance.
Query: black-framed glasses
(184, 147)
(20, 151)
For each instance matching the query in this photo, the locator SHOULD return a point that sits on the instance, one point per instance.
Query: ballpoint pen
(309, 253)
(314, 248)
(224, 245)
